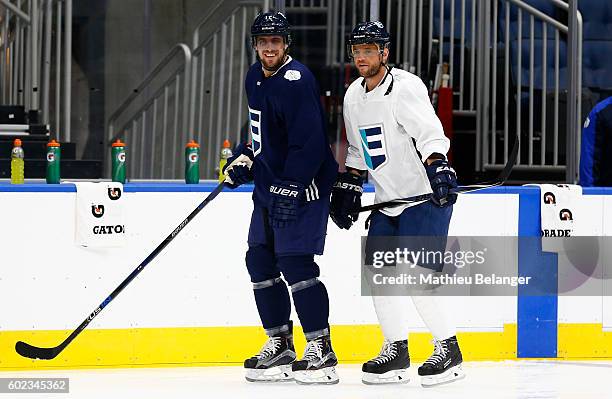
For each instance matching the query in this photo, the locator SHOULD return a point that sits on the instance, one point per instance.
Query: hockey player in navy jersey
(293, 169)
(384, 112)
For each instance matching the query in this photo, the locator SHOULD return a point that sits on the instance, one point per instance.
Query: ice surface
(491, 380)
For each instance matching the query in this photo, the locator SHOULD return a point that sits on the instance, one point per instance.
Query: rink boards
(193, 304)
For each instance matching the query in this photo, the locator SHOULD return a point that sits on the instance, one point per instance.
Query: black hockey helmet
(369, 32)
(271, 23)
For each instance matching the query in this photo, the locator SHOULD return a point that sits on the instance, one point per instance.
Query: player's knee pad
(300, 271)
(261, 264)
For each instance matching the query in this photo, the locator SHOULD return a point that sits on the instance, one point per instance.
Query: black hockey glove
(237, 170)
(346, 199)
(286, 198)
(442, 178)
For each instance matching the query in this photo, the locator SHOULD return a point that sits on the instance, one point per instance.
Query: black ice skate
(390, 366)
(444, 365)
(317, 365)
(273, 363)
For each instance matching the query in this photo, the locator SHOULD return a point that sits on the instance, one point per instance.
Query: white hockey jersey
(380, 126)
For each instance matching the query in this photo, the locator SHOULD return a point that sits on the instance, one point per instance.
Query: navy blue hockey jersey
(288, 132)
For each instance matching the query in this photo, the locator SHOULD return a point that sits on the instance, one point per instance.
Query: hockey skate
(444, 365)
(317, 365)
(273, 362)
(390, 366)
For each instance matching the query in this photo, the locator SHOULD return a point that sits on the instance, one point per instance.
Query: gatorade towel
(561, 214)
(99, 214)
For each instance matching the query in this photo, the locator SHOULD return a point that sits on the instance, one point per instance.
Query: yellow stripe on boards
(583, 341)
(175, 347)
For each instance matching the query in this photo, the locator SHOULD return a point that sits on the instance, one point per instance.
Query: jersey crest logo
(292, 74)
(374, 148)
(255, 126)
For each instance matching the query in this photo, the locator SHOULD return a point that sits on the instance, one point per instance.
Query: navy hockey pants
(289, 251)
(425, 220)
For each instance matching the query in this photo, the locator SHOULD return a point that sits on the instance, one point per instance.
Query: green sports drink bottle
(192, 163)
(53, 162)
(118, 161)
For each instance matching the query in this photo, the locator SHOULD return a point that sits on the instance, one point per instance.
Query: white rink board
(597, 213)
(607, 231)
(200, 278)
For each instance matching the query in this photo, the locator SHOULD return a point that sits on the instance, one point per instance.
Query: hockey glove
(346, 199)
(285, 200)
(237, 170)
(442, 178)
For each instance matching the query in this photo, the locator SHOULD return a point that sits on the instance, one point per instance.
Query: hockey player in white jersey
(396, 137)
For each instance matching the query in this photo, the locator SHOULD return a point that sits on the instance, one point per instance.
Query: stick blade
(34, 352)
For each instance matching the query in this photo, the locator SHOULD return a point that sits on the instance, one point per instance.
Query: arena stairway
(34, 138)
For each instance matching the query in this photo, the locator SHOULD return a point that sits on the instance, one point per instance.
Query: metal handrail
(489, 160)
(18, 11)
(196, 32)
(571, 174)
(180, 48)
(142, 119)
(537, 13)
(222, 86)
(141, 111)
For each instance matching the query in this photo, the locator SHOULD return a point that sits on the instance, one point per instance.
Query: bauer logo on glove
(285, 192)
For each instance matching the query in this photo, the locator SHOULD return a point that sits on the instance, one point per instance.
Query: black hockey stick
(426, 197)
(501, 179)
(34, 352)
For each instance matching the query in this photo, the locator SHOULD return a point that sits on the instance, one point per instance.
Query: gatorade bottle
(53, 162)
(192, 163)
(17, 164)
(226, 153)
(118, 162)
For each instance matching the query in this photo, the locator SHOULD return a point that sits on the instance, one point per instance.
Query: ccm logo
(285, 192)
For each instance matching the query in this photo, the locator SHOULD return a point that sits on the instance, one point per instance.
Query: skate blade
(453, 374)
(390, 377)
(273, 374)
(325, 376)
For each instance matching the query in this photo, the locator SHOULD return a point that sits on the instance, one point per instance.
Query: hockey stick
(501, 179)
(426, 197)
(34, 352)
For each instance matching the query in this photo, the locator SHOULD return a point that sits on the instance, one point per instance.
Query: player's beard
(272, 65)
(371, 71)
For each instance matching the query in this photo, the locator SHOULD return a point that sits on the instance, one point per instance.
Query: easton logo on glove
(348, 186)
(285, 192)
